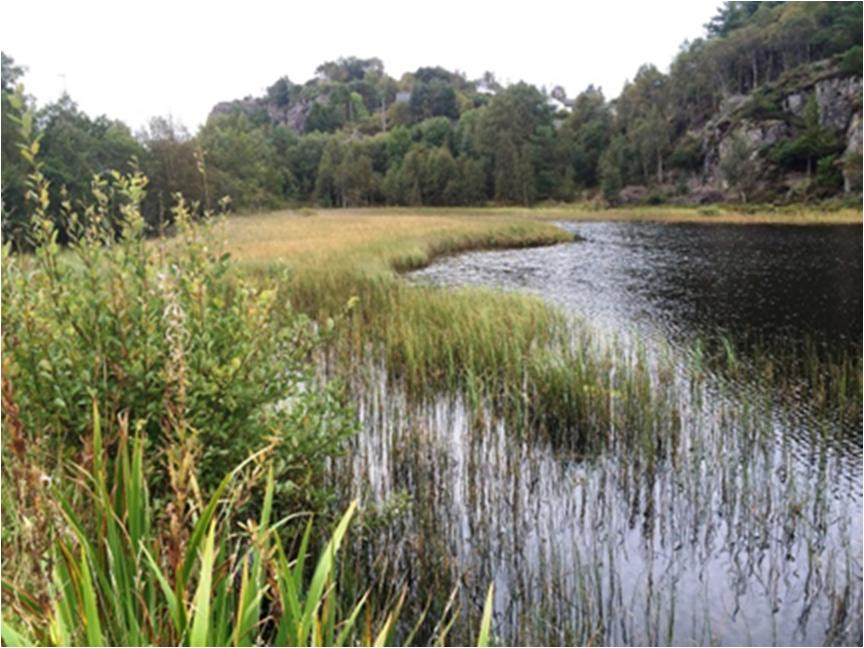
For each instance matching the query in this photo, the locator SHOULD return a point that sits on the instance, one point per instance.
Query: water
(779, 283)
(745, 528)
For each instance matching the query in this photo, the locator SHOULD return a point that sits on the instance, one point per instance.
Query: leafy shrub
(164, 333)
(828, 179)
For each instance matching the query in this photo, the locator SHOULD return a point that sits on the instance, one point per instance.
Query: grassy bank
(504, 344)
(511, 348)
(365, 225)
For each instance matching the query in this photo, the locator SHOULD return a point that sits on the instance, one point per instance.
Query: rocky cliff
(775, 115)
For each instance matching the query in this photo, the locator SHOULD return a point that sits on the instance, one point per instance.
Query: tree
(738, 165)
(509, 132)
(172, 163)
(610, 169)
(240, 162)
(75, 148)
(354, 180)
(585, 135)
(327, 183)
(814, 141)
(12, 107)
(283, 92)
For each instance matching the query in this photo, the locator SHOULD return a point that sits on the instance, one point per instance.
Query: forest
(355, 136)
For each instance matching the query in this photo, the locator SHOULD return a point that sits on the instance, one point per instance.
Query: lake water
(747, 529)
(780, 283)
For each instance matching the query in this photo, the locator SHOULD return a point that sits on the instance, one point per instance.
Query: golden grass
(377, 240)
(746, 215)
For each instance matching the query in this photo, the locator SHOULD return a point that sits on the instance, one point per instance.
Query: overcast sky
(135, 60)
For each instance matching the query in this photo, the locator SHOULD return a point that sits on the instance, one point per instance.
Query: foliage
(267, 151)
(173, 164)
(14, 217)
(851, 61)
(166, 335)
(812, 142)
(241, 162)
(738, 165)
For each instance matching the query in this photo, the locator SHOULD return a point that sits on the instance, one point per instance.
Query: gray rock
(794, 103)
(838, 98)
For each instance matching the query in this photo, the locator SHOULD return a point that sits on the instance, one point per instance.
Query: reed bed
(613, 492)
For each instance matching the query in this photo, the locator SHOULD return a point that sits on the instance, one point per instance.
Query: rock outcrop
(294, 116)
(838, 99)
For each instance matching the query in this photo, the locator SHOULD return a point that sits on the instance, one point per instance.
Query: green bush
(851, 60)
(166, 334)
(829, 178)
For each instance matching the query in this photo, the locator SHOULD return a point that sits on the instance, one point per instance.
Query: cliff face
(294, 116)
(775, 115)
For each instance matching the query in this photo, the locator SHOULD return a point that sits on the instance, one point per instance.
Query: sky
(136, 60)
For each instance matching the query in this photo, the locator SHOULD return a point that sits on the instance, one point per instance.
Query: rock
(854, 136)
(763, 134)
(851, 166)
(633, 194)
(838, 99)
(794, 103)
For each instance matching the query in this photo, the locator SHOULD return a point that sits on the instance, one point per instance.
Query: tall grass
(120, 577)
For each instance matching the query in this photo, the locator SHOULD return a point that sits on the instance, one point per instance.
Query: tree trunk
(755, 71)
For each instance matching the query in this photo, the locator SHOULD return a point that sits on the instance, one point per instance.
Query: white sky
(134, 60)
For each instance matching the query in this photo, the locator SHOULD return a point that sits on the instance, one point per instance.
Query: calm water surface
(779, 283)
(747, 531)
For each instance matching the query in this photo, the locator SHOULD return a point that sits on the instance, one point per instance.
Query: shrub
(166, 334)
(851, 60)
(829, 178)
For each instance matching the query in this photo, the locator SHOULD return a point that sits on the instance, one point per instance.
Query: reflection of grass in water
(796, 373)
(727, 486)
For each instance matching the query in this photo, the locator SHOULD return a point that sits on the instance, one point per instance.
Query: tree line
(355, 136)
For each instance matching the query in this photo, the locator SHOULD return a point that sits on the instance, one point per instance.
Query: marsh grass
(541, 369)
(615, 493)
(120, 577)
(720, 523)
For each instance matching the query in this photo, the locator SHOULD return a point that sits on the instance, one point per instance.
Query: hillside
(765, 107)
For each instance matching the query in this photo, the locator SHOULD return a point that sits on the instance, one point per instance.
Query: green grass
(508, 349)
(231, 585)
(511, 348)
